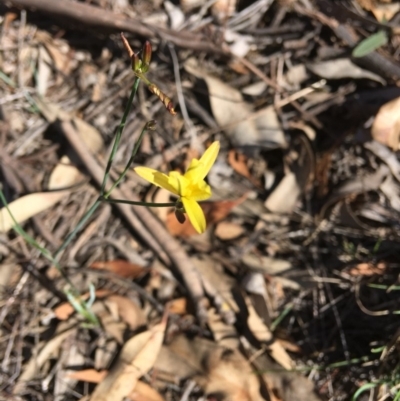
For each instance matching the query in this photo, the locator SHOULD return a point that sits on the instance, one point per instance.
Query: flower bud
(136, 63)
(147, 50)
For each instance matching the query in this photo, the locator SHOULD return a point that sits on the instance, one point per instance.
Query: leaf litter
(296, 276)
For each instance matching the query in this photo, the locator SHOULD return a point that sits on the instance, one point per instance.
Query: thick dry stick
(87, 15)
(145, 224)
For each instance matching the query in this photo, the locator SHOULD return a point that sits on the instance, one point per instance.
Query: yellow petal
(195, 214)
(157, 178)
(198, 169)
(210, 155)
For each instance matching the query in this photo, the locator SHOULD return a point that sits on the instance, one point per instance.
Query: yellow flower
(189, 187)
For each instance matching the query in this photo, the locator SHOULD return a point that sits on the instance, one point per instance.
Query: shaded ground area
(292, 291)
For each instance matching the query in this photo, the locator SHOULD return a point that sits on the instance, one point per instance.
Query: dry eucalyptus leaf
(28, 206)
(175, 14)
(220, 371)
(144, 392)
(178, 306)
(224, 334)
(386, 126)
(109, 319)
(182, 358)
(120, 267)
(59, 51)
(128, 311)
(88, 375)
(64, 175)
(247, 129)
(227, 230)
(296, 75)
(382, 11)
(137, 357)
(213, 272)
(255, 89)
(342, 68)
(10, 272)
(284, 197)
(231, 377)
(264, 334)
(260, 331)
(254, 284)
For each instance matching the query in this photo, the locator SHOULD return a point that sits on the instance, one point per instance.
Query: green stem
(118, 134)
(149, 126)
(81, 223)
(147, 204)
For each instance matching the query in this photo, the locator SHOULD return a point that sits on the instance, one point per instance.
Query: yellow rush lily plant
(189, 187)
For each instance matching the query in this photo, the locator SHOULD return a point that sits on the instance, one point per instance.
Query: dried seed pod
(163, 97)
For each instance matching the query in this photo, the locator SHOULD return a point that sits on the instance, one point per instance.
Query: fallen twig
(88, 15)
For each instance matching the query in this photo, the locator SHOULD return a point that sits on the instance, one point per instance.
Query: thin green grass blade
(20, 231)
(7, 80)
(365, 387)
(82, 308)
(278, 320)
(397, 397)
